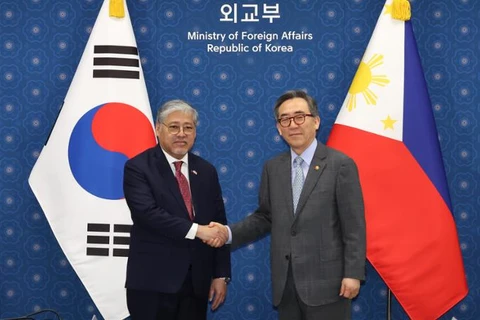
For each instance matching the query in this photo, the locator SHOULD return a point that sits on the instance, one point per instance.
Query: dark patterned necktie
(184, 188)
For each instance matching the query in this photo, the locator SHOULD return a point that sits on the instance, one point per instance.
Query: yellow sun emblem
(362, 80)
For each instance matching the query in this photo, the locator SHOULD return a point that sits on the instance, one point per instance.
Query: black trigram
(98, 240)
(119, 62)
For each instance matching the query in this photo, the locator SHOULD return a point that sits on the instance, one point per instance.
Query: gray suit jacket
(325, 239)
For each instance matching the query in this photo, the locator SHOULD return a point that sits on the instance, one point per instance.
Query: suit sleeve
(352, 217)
(222, 264)
(259, 223)
(145, 210)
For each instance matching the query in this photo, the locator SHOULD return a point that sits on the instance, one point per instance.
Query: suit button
(287, 257)
(294, 233)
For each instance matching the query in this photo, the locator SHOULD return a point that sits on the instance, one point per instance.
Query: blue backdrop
(40, 46)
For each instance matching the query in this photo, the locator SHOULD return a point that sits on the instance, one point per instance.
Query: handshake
(214, 234)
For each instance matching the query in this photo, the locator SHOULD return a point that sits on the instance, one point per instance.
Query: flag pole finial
(401, 10)
(117, 9)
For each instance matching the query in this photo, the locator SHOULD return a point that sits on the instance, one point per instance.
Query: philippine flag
(386, 125)
(105, 120)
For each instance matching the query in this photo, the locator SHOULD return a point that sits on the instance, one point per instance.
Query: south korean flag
(105, 120)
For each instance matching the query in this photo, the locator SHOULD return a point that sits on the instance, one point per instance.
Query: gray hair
(312, 104)
(175, 105)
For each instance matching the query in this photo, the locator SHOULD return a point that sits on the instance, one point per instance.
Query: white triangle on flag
(375, 93)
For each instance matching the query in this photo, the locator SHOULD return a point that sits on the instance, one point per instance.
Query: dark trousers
(184, 305)
(291, 307)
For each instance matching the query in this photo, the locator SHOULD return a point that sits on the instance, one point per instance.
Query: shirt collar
(171, 159)
(306, 155)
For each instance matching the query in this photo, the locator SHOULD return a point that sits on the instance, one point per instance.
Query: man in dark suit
(310, 200)
(173, 195)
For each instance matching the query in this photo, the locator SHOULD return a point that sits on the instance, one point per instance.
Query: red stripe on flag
(411, 237)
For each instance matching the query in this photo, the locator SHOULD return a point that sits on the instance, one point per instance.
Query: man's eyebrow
(178, 122)
(295, 113)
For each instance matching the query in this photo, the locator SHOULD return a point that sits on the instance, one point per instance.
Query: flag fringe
(401, 10)
(117, 9)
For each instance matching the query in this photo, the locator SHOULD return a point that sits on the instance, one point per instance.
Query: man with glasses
(311, 202)
(173, 195)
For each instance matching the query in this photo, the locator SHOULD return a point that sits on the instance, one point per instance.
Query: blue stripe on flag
(419, 132)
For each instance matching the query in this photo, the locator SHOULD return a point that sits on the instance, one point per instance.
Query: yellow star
(388, 123)
(388, 9)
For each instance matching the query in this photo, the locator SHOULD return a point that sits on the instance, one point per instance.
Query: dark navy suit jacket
(160, 256)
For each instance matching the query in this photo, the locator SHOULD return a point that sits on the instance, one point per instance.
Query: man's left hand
(218, 292)
(350, 288)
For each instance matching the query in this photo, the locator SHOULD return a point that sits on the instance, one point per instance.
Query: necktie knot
(298, 161)
(178, 165)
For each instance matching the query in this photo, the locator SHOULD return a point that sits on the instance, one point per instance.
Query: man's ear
(317, 118)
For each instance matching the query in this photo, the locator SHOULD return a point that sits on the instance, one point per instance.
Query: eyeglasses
(175, 129)
(298, 119)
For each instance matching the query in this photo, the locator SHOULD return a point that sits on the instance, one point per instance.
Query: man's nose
(293, 124)
(181, 132)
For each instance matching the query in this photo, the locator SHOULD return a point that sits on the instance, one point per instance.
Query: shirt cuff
(192, 232)
(229, 241)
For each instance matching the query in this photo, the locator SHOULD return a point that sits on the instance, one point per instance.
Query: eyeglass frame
(301, 115)
(170, 126)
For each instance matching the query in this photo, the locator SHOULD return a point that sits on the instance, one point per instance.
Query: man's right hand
(215, 234)
(218, 242)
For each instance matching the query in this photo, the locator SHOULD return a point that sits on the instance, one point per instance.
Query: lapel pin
(194, 172)
(317, 168)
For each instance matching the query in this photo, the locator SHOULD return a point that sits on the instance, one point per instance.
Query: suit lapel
(284, 175)
(170, 181)
(315, 170)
